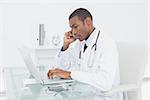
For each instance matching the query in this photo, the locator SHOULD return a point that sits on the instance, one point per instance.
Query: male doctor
(94, 58)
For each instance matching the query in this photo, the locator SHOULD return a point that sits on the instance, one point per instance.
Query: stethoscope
(92, 52)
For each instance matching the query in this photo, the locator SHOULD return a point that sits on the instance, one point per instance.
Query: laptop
(24, 51)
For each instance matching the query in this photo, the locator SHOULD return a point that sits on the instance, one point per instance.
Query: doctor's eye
(75, 27)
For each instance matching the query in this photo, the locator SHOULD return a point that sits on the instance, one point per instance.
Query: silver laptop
(36, 74)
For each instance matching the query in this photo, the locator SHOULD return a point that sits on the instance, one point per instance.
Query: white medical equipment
(41, 34)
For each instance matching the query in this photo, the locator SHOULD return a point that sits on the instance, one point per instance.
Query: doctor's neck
(90, 32)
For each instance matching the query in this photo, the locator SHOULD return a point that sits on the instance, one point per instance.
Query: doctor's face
(79, 28)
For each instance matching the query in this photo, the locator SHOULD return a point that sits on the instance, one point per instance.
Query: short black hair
(81, 13)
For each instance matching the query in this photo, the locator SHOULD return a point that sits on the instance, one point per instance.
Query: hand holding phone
(68, 39)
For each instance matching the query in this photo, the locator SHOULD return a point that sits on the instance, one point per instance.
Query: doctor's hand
(59, 73)
(68, 39)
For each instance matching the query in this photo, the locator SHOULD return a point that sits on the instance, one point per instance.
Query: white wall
(124, 21)
(1, 37)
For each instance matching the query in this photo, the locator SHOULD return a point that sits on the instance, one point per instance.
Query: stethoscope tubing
(91, 56)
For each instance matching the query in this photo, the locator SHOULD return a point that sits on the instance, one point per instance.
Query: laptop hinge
(42, 81)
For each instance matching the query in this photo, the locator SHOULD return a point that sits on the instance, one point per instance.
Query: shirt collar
(91, 38)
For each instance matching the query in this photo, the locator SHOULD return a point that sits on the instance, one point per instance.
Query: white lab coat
(104, 73)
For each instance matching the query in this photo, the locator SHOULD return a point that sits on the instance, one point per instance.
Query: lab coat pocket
(96, 63)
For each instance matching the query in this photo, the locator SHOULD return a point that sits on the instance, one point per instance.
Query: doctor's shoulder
(106, 41)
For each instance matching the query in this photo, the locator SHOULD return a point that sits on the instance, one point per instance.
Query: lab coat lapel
(86, 54)
(84, 59)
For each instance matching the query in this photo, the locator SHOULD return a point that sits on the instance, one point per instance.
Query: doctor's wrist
(64, 47)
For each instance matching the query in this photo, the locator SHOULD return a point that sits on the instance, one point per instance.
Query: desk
(16, 90)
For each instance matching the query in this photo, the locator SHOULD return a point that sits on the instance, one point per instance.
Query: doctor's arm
(63, 56)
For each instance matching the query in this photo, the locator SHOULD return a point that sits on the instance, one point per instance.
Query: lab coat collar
(92, 37)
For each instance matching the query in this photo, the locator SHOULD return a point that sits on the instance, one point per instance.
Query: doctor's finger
(50, 74)
(68, 35)
(54, 74)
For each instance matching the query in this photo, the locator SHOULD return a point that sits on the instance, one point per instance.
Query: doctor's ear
(88, 21)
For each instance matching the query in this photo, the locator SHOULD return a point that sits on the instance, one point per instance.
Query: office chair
(132, 63)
